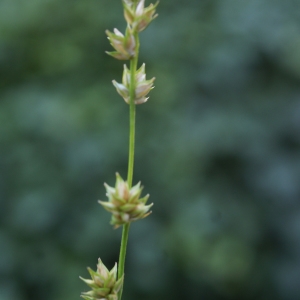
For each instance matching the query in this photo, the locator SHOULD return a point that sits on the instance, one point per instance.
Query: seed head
(125, 203)
(142, 86)
(104, 283)
(124, 45)
(139, 16)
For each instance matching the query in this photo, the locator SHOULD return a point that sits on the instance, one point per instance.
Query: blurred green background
(218, 149)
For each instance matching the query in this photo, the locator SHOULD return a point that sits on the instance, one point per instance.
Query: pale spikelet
(139, 16)
(125, 203)
(142, 86)
(104, 284)
(124, 45)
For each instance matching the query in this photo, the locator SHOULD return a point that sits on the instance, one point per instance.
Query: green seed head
(104, 284)
(124, 203)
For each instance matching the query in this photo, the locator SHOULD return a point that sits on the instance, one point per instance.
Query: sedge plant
(124, 200)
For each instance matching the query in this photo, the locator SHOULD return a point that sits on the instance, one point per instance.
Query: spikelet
(104, 284)
(125, 203)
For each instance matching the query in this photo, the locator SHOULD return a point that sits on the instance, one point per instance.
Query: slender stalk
(125, 232)
(133, 66)
(123, 254)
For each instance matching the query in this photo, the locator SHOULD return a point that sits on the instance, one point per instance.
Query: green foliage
(217, 143)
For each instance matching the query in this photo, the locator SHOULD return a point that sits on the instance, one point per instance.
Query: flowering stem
(131, 124)
(133, 68)
(123, 254)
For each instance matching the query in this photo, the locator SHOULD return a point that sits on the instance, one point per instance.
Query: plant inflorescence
(124, 200)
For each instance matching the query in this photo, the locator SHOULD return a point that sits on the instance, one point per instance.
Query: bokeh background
(218, 149)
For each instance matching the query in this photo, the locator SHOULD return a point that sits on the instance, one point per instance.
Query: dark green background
(218, 149)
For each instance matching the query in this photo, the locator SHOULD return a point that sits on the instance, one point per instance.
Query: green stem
(133, 68)
(123, 254)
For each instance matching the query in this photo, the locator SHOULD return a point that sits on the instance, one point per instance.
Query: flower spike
(140, 17)
(142, 86)
(104, 284)
(125, 203)
(124, 45)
